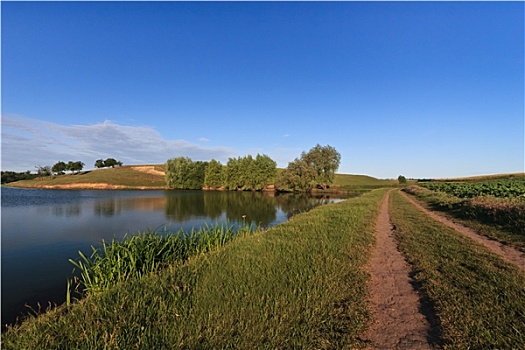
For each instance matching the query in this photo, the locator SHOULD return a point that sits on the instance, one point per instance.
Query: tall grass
(301, 284)
(144, 253)
(478, 298)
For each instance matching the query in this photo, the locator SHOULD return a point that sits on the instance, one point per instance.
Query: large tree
(298, 176)
(214, 174)
(177, 171)
(264, 173)
(75, 166)
(59, 167)
(325, 162)
(99, 163)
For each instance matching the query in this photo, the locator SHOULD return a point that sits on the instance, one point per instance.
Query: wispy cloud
(28, 142)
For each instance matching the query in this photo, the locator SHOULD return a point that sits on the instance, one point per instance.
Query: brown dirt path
(507, 253)
(398, 322)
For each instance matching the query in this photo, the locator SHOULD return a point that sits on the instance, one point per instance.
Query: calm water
(42, 229)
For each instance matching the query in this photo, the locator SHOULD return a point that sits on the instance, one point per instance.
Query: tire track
(507, 253)
(397, 319)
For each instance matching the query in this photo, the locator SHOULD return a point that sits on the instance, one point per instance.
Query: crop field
(495, 208)
(507, 188)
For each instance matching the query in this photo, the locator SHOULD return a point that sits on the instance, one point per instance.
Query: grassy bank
(479, 299)
(300, 284)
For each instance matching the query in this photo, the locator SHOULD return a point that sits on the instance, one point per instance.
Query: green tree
(298, 176)
(265, 172)
(214, 174)
(325, 162)
(401, 180)
(59, 167)
(75, 166)
(233, 178)
(177, 172)
(99, 163)
(196, 174)
(111, 162)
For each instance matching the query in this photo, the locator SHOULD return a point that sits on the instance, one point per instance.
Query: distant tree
(298, 176)
(59, 167)
(214, 174)
(111, 162)
(177, 170)
(196, 174)
(401, 180)
(75, 166)
(11, 176)
(264, 172)
(43, 171)
(234, 179)
(325, 162)
(99, 163)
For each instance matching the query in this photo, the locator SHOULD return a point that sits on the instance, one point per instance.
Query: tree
(99, 164)
(177, 172)
(214, 174)
(75, 166)
(298, 176)
(43, 170)
(111, 162)
(401, 180)
(59, 167)
(325, 162)
(265, 171)
(233, 174)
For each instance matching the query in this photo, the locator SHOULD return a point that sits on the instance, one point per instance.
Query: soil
(401, 319)
(148, 170)
(507, 253)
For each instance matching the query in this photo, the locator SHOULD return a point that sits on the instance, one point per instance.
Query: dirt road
(399, 319)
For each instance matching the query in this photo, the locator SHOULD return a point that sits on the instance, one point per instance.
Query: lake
(42, 229)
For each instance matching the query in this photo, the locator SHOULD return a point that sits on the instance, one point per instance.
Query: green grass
(144, 253)
(301, 284)
(478, 298)
(357, 182)
(120, 176)
(500, 219)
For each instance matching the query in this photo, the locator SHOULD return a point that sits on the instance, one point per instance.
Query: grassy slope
(125, 176)
(299, 285)
(128, 177)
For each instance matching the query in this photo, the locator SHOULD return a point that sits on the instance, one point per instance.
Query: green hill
(152, 177)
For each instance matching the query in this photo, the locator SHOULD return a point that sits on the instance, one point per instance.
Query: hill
(152, 177)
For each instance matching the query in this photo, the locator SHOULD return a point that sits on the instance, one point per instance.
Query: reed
(144, 253)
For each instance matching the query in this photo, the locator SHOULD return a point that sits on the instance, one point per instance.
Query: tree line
(313, 169)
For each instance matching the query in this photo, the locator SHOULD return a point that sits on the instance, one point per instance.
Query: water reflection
(42, 229)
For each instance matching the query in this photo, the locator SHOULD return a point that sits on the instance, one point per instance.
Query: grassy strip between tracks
(478, 299)
(300, 284)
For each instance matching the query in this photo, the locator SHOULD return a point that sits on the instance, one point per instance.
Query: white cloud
(29, 142)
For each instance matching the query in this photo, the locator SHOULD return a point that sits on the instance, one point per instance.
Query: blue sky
(422, 89)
